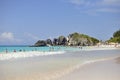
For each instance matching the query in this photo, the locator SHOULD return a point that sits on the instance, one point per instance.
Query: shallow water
(18, 48)
(50, 67)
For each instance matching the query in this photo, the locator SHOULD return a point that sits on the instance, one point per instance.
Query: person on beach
(81, 47)
(14, 50)
(6, 51)
(20, 50)
(49, 48)
(52, 48)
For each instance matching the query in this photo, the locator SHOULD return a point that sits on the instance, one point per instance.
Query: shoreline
(106, 69)
(26, 54)
(56, 67)
(16, 55)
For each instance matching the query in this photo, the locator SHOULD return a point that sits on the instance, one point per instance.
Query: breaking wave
(15, 55)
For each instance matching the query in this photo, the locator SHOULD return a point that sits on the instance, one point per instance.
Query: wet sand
(39, 68)
(118, 60)
(102, 70)
(64, 67)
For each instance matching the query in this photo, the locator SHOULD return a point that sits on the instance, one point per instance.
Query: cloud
(8, 37)
(108, 10)
(84, 2)
(77, 2)
(111, 2)
(31, 36)
(96, 6)
(95, 2)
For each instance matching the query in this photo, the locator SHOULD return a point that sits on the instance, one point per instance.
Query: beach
(100, 64)
(59, 39)
(101, 70)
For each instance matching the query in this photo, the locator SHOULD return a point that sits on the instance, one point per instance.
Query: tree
(116, 37)
(117, 33)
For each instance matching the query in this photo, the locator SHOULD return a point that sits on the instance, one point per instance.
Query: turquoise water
(84, 53)
(27, 48)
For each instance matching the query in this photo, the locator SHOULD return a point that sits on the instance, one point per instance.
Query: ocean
(19, 48)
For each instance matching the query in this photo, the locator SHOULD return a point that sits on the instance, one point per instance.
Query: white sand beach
(101, 70)
(101, 65)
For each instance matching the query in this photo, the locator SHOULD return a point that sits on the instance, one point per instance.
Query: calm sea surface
(27, 48)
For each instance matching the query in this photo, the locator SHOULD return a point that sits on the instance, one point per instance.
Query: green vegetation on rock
(77, 39)
(74, 39)
(116, 37)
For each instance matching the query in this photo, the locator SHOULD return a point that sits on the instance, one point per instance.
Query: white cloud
(111, 10)
(96, 6)
(77, 2)
(31, 36)
(95, 2)
(111, 2)
(8, 37)
(84, 2)
(92, 12)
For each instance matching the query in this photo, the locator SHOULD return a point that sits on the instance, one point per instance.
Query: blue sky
(26, 21)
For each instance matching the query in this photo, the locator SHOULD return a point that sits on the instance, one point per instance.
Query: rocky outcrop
(74, 39)
(40, 43)
(62, 40)
(49, 42)
(77, 39)
(55, 41)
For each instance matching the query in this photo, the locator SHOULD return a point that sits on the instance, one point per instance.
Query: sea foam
(15, 55)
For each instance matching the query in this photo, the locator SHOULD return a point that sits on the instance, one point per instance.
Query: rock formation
(74, 39)
(40, 43)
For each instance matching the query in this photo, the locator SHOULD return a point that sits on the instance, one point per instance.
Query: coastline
(56, 67)
(15, 55)
(108, 69)
(104, 69)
